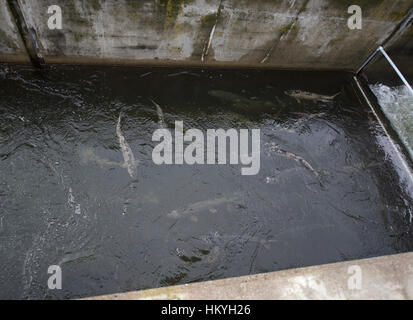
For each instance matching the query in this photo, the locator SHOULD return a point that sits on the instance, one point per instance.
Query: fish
(288, 154)
(71, 257)
(200, 206)
(240, 102)
(216, 237)
(183, 73)
(362, 166)
(160, 114)
(128, 157)
(88, 155)
(145, 74)
(304, 95)
(214, 255)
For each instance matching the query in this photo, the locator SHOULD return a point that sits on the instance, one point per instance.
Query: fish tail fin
(118, 129)
(154, 103)
(120, 117)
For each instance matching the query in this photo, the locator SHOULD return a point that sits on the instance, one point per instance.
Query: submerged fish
(128, 157)
(88, 155)
(216, 237)
(214, 254)
(274, 147)
(160, 114)
(240, 102)
(200, 206)
(183, 73)
(304, 95)
(71, 257)
(362, 166)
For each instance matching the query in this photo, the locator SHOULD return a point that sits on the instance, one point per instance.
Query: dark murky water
(66, 199)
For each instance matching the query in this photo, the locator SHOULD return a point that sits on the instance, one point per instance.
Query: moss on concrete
(173, 8)
(5, 41)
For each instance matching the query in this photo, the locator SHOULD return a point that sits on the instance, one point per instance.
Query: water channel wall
(303, 34)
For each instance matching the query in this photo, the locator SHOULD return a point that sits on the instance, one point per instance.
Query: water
(397, 104)
(66, 197)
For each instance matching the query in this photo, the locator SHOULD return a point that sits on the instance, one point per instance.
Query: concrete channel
(279, 34)
(388, 277)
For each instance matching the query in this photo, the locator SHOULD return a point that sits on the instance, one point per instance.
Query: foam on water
(397, 104)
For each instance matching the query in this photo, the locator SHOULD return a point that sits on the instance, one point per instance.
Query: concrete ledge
(388, 277)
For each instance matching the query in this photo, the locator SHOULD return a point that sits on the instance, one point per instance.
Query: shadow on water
(327, 189)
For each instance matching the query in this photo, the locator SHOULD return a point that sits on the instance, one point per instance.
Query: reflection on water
(326, 190)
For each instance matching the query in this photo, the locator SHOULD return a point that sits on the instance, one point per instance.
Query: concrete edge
(72, 60)
(20, 58)
(386, 277)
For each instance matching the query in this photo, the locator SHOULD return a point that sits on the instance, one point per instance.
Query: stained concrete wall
(11, 45)
(260, 33)
(400, 49)
(402, 53)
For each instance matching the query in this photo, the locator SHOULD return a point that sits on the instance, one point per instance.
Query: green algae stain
(173, 9)
(284, 29)
(208, 19)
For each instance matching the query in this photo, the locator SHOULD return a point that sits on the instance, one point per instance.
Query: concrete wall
(259, 33)
(402, 53)
(388, 277)
(400, 49)
(11, 45)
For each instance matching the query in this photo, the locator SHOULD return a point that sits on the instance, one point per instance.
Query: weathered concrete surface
(402, 54)
(388, 277)
(311, 34)
(11, 46)
(400, 49)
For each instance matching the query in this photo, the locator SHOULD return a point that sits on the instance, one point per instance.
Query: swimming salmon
(239, 102)
(274, 147)
(200, 206)
(128, 157)
(304, 95)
